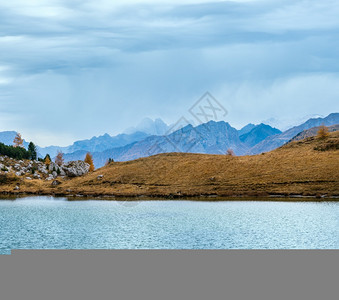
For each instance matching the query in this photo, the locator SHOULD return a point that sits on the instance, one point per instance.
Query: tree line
(18, 151)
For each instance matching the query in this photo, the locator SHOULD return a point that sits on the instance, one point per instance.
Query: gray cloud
(100, 67)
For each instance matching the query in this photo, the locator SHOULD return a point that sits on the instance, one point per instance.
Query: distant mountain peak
(149, 126)
(246, 129)
(258, 133)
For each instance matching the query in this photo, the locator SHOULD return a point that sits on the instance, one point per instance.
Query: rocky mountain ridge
(275, 141)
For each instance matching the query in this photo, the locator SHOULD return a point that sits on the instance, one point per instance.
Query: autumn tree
(59, 159)
(89, 160)
(323, 132)
(47, 160)
(18, 141)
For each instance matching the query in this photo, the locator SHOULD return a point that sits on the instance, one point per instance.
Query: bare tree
(59, 159)
(230, 152)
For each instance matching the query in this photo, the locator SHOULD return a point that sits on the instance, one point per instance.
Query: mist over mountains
(96, 144)
(153, 137)
(150, 127)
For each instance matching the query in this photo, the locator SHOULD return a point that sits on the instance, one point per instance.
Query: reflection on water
(55, 223)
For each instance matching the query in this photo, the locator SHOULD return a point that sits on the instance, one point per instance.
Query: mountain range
(153, 137)
(96, 144)
(275, 141)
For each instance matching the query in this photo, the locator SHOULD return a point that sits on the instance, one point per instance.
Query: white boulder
(76, 168)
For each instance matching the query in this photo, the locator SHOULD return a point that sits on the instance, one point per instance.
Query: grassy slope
(292, 169)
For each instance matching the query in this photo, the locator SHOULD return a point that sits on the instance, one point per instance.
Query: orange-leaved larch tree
(18, 141)
(47, 161)
(59, 159)
(89, 160)
(323, 132)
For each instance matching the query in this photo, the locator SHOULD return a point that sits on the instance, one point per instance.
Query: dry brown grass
(297, 168)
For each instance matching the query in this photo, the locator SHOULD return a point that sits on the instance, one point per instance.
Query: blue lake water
(56, 223)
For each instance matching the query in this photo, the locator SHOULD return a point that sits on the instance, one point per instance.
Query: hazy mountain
(104, 142)
(147, 125)
(7, 137)
(246, 129)
(96, 144)
(51, 150)
(275, 141)
(212, 138)
(258, 134)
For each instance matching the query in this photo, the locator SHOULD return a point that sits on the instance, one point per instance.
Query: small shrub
(230, 152)
(6, 179)
(330, 145)
(3, 179)
(109, 161)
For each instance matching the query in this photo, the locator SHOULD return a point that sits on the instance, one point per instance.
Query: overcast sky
(71, 69)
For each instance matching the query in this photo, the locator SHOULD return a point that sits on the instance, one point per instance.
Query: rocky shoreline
(208, 197)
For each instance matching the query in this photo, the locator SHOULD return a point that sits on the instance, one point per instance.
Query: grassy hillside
(307, 167)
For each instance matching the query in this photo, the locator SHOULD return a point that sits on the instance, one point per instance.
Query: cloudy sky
(71, 69)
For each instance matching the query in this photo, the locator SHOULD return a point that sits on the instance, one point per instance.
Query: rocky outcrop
(76, 168)
(38, 170)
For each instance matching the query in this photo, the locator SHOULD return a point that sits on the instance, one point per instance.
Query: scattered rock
(100, 177)
(36, 176)
(38, 170)
(50, 177)
(56, 182)
(17, 167)
(17, 188)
